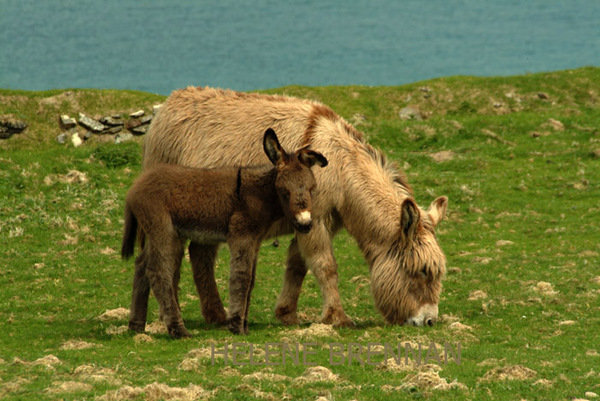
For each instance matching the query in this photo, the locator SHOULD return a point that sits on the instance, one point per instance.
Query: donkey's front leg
(317, 252)
(295, 271)
(243, 258)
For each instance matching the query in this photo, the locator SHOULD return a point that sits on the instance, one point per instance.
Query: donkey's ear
(410, 218)
(437, 210)
(310, 158)
(272, 148)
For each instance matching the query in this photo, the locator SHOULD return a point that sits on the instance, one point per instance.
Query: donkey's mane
(389, 167)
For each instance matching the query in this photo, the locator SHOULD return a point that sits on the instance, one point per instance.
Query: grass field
(519, 159)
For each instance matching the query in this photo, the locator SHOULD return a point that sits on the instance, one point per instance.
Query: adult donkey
(360, 190)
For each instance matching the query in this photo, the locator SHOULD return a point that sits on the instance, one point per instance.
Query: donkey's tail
(129, 234)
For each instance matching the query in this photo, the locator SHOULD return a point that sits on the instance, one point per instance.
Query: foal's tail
(129, 234)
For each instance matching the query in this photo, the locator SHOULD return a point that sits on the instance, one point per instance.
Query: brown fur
(360, 191)
(173, 203)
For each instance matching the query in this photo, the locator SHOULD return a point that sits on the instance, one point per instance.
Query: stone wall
(123, 129)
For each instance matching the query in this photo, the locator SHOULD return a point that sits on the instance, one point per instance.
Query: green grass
(524, 211)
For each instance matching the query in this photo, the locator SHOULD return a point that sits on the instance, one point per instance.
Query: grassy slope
(524, 211)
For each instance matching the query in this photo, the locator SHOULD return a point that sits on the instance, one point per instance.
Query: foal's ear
(310, 158)
(410, 218)
(272, 148)
(437, 210)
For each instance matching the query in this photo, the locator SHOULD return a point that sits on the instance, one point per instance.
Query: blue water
(158, 46)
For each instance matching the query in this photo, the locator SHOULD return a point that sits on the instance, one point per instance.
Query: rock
(155, 108)
(67, 122)
(76, 140)
(4, 134)
(62, 138)
(123, 137)
(10, 125)
(133, 123)
(137, 114)
(86, 135)
(146, 119)
(140, 130)
(113, 130)
(543, 96)
(112, 121)
(410, 113)
(591, 394)
(90, 123)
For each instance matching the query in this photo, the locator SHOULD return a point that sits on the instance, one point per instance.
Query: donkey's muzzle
(304, 228)
(303, 222)
(425, 316)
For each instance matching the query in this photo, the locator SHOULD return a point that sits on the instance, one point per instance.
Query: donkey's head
(295, 180)
(406, 281)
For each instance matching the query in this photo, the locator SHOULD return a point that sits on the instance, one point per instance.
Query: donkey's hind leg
(295, 271)
(203, 257)
(246, 330)
(139, 297)
(161, 266)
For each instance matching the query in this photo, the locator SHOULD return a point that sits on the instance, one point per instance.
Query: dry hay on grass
(459, 327)
(114, 314)
(77, 345)
(315, 331)
(266, 374)
(316, 374)
(430, 380)
(49, 361)
(90, 373)
(193, 359)
(491, 362)
(544, 288)
(392, 365)
(72, 177)
(256, 393)
(511, 372)
(116, 330)
(545, 383)
(142, 338)
(424, 377)
(156, 392)
(443, 156)
(157, 327)
(13, 386)
(68, 387)
(476, 295)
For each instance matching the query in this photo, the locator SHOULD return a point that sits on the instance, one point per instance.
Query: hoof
(287, 318)
(137, 327)
(179, 331)
(347, 323)
(235, 325)
(338, 319)
(216, 318)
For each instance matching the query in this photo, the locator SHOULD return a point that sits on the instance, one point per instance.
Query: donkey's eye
(424, 272)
